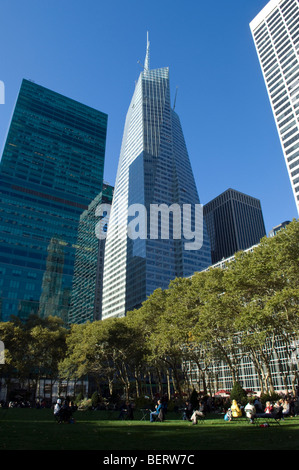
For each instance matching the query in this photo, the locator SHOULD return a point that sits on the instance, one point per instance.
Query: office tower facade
(279, 227)
(86, 302)
(51, 168)
(275, 33)
(52, 293)
(154, 169)
(235, 222)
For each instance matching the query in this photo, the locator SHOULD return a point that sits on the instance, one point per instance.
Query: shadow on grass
(30, 429)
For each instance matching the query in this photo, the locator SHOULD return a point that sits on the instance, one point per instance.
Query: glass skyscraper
(50, 171)
(154, 169)
(86, 301)
(234, 222)
(275, 33)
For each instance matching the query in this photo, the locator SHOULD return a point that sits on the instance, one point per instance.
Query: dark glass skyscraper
(235, 222)
(51, 169)
(86, 301)
(154, 170)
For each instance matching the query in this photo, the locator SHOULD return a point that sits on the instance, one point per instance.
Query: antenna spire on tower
(147, 59)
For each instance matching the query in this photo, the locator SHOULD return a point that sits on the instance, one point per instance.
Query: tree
(146, 320)
(85, 355)
(264, 283)
(15, 346)
(238, 393)
(33, 349)
(173, 328)
(46, 348)
(215, 329)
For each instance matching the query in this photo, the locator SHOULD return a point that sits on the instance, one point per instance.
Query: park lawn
(32, 429)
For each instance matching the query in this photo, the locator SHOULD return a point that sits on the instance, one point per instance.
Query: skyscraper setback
(276, 36)
(154, 169)
(51, 169)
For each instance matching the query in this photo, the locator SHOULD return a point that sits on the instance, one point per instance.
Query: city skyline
(223, 104)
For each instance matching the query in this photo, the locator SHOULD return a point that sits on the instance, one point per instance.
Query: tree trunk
(150, 384)
(168, 385)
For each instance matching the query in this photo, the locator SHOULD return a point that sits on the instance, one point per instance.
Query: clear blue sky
(88, 50)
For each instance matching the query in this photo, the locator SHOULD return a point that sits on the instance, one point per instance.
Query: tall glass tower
(154, 170)
(51, 169)
(275, 33)
(86, 299)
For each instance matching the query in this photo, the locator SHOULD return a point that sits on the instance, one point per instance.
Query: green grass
(32, 429)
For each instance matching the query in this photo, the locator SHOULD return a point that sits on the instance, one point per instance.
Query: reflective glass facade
(275, 32)
(235, 222)
(86, 301)
(154, 168)
(50, 171)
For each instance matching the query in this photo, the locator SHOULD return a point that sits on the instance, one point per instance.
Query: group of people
(254, 409)
(63, 412)
(193, 414)
(17, 404)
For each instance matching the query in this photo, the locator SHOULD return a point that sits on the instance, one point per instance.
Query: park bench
(240, 419)
(268, 418)
(259, 419)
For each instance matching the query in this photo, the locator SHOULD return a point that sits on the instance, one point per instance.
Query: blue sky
(89, 51)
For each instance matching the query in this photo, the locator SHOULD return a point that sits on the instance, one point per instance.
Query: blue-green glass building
(86, 298)
(51, 169)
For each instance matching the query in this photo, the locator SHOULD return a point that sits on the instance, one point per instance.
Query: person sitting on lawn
(236, 412)
(57, 410)
(188, 411)
(228, 415)
(196, 415)
(66, 412)
(269, 407)
(123, 411)
(250, 410)
(285, 407)
(258, 405)
(130, 411)
(155, 413)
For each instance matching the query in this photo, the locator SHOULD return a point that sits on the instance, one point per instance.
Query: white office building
(275, 32)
